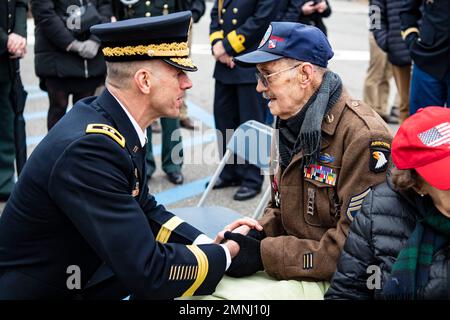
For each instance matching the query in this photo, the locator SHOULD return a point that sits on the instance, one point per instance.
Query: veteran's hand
(243, 226)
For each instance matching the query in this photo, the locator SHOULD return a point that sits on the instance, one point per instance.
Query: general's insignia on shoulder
(380, 153)
(320, 173)
(106, 130)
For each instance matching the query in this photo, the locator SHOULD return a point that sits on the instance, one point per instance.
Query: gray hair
(291, 62)
(120, 74)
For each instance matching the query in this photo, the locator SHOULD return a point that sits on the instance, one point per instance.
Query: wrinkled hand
(308, 8)
(240, 226)
(248, 260)
(16, 44)
(89, 49)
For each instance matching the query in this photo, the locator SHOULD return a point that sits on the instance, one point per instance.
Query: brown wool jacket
(307, 219)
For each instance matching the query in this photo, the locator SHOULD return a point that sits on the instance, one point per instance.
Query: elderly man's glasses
(265, 78)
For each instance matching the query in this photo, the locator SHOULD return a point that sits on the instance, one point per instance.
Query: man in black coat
(236, 28)
(13, 32)
(81, 201)
(425, 30)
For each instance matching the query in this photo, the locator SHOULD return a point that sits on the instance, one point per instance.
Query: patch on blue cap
(266, 36)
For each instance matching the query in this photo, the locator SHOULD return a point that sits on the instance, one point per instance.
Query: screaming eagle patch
(380, 153)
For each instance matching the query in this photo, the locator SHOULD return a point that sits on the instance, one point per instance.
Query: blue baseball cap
(290, 40)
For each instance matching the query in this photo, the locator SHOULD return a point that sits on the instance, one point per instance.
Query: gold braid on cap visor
(174, 49)
(186, 62)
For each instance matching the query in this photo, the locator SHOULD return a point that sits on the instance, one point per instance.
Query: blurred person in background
(388, 38)
(304, 11)
(67, 57)
(379, 72)
(13, 45)
(425, 29)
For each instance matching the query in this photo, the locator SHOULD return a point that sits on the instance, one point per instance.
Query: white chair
(252, 142)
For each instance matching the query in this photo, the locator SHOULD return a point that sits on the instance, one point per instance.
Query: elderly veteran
(81, 206)
(332, 150)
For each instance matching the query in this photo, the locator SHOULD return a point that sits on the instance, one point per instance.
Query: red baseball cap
(423, 143)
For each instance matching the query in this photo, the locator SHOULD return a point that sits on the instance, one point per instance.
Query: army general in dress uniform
(331, 151)
(13, 32)
(236, 28)
(81, 201)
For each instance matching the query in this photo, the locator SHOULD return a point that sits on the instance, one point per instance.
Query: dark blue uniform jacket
(80, 201)
(241, 25)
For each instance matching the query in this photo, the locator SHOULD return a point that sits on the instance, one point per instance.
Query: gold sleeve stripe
(106, 130)
(408, 31)
(183, 272)
(177, 276)
(171, 272)
(195, 272)
(203, 266)
(167, 228)
(236, 41)
(215, 35)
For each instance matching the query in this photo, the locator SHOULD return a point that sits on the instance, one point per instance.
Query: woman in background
(398, 245)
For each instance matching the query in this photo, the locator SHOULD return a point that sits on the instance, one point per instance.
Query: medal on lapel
(135, 191)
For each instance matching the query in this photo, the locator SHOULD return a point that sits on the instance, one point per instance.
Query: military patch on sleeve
(380, 153)
(108, 131)
(355, 204)
(308, 261)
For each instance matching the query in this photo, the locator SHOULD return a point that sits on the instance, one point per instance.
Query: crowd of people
(347, 196)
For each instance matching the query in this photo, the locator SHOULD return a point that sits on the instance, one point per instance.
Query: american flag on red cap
(436, 136)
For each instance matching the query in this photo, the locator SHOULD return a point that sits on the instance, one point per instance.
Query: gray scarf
(308, 132)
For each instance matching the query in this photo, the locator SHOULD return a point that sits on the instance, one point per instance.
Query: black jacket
(430, 49)
(381, 229)
(52, 37)
(288, 10)
(82, 200)
(388, 33)
(144, 8)
(13, 18)
(314, 19)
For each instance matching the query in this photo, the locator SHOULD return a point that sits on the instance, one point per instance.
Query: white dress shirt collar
(141, 134)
